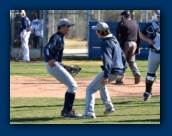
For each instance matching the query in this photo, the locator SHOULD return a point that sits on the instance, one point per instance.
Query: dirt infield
(49, 87)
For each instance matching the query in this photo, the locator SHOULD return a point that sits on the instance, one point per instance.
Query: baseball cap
(22, 11)
(125, 13)
(158, 13)
(101, 26)
(64, 21)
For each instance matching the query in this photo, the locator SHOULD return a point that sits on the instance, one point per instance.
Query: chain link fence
(76, 43)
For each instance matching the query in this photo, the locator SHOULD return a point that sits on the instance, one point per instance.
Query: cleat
(137, 79)
(108, 111)
(70, 114)
(146, 96)
(87, 117)
(118, 82)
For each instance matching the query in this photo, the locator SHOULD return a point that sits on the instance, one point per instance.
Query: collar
(60, 34)
(109, 35)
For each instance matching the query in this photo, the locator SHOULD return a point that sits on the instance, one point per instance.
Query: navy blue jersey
(25, 22)
(151, 29)
(112, 55)
(54, 48)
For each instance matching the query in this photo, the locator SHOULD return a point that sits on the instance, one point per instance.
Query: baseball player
(53, 53)
(37, 30)
(151, 34)
(24, 40)
(114, 65)
(25, 28)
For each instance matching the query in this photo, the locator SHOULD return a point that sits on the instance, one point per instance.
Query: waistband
(131, 41)
(153, 50)
(117, 71)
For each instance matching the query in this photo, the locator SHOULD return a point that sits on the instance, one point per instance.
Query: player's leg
(105, 95)
(60, 73)
(125, 49)
(35, 42)
(153, 64)
(131, 61)
(20, 49)
(93, 87)
(40, 41)
(26, 55)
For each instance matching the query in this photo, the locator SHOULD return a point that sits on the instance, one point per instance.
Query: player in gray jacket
(114, 65)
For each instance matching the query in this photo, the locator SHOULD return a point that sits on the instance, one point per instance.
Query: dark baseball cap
(125, 13)
(64, 21)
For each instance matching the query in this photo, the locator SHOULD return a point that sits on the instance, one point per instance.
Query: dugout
(94, 42)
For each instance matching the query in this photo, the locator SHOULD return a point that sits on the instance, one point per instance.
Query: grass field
(47, 111)
(90, 68)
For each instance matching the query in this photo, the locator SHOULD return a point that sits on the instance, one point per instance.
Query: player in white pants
(24, 35)
(114, 64)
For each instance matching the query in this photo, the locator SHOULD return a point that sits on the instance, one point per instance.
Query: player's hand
(151, 42)
(51, 63)
(137, 51)
(104, 81)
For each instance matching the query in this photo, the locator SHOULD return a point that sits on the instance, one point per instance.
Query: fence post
(74, 21)
(147, 16)
(44, 28)
(141, 16)
(12, 29)
(98, 15)
(90, 17)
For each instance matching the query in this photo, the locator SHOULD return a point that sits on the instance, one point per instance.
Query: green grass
(47, 111)
(90, 68)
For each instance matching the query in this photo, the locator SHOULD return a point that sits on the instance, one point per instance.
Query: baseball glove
(73, 69)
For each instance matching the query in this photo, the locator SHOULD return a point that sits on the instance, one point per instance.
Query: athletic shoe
(137, 79)
(62, 113)
(87, 117)
(16, 60)
(118, 82)
(24, 60)
(108, 111)
(146, 96)
(70, 114)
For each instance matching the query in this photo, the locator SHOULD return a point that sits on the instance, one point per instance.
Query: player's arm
(107, 56)
(145, 38)
(52, 42)
(144, 32)
(48, 57)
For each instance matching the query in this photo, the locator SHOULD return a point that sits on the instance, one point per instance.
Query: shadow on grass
(34, 119)
(127, 103)
(122, 115)
(42, 106)
(36, 106)
(149, 121)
